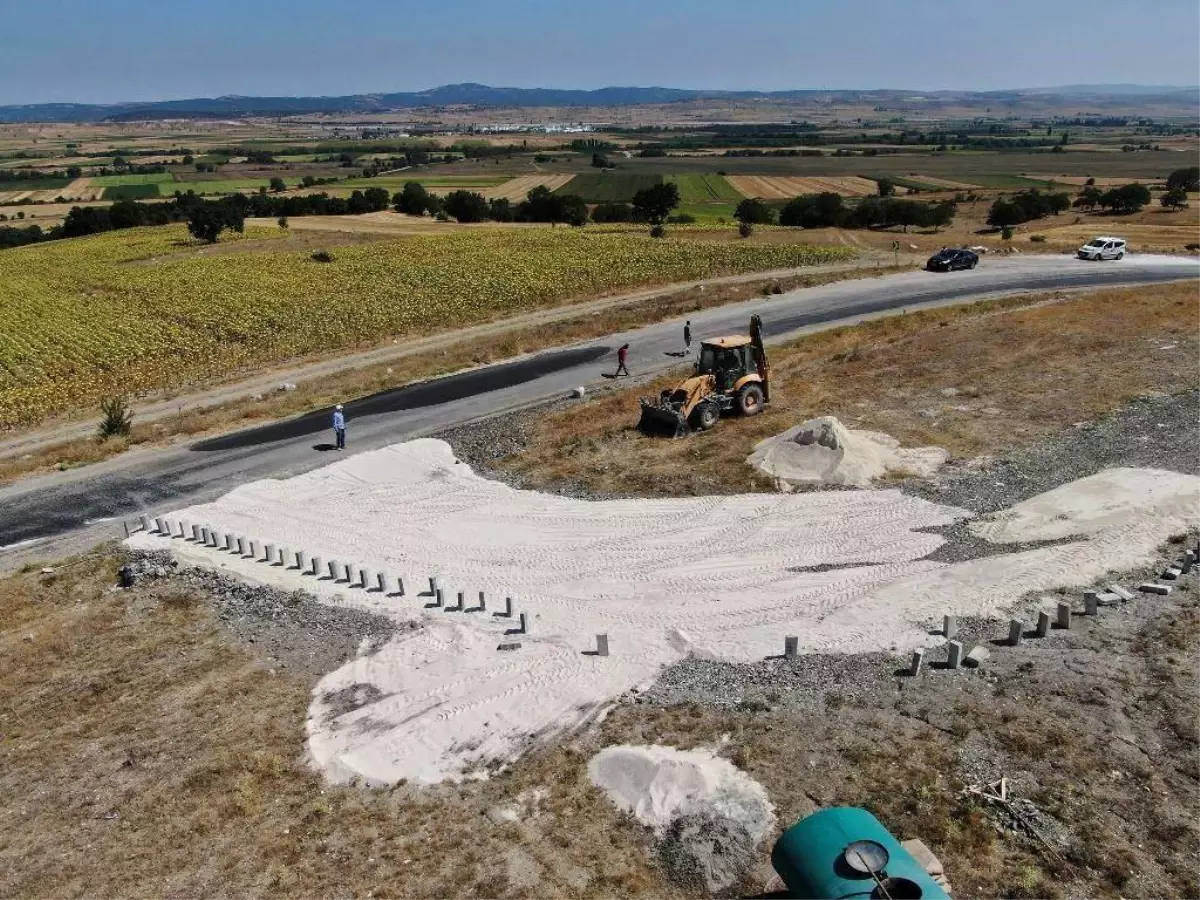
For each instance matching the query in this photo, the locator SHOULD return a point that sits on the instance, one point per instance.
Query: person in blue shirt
(339, 426)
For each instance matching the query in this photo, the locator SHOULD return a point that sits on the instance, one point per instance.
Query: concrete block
(252, 549)
(437, 597)
(1016, 629)
(458, 604)
(507, 607)
(510, 645)
(364, 579)
(145, 520)
(953, 654)
(1043, 625)
(400, 586)
(524, 624)
(334, 569)
(1186, 562)
(482, 602)
(348, 573)
(183, 529)
(433, 586)
(315, 566)
(917, 658)
(1107, 598)
(1171, 573)
(196, 533)
(1120, 592)
(268, 553)
(1151, 588)
(301, 560)
(949, 626)
(602, 645)
(924, 856)
(213, 537)
(1091, 603)
(791, 646)
(1064, 615)
(977, 657)
(160, 525)
(381, 581)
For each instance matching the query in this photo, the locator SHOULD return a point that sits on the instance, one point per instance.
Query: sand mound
(709, 815)
(824, 451)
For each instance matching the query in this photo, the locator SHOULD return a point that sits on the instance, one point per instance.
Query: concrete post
(160, 526)
(508, 607)
(196, 533)
(433, 586)
(364, 579)
(437, 597)
(602, 645)
(382, 580)
(1091, 603)
(212, 538)
(252, 549)
(949, 626)
(333, 569)
(183, 529)
(348, 573)
(301, 561)
(791, 644)
(126, 524)
(315, 565)
(459, 606)
(524, 624)
(1064, 615)
(482, 602)
(1016, 628)
(953, 654)
(269, 554)
(1189, 560)
(1043, 625)
(145, 520)
(400, 586)
(917, 658)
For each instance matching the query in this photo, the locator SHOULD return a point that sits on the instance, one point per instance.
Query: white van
(1103, 248)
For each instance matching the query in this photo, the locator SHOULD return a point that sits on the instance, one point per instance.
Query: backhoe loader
(732, 376)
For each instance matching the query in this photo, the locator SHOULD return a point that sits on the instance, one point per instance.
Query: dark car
(949, 260)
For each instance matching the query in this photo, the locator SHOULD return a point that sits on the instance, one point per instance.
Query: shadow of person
(323, 447)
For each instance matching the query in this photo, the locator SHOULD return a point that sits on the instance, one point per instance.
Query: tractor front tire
(705, 416)
(750, 400)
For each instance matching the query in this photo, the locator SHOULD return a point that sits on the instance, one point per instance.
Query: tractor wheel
(705, 416)
(750, 400)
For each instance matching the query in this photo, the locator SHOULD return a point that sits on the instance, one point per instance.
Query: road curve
(58, 513)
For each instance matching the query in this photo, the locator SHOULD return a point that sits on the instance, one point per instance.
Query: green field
(131, 191)
(115, 180)
(431, 181)
(35, 184)
(694, 189)
(222, 186)
(609, 187)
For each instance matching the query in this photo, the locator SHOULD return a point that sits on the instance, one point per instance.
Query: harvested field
(1145, 238)
(515, 189)
(1101, 181)
(79, 189)
(779, 187)
(975, 379)
(944, 183)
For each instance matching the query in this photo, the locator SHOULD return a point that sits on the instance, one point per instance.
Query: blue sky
(110, 50)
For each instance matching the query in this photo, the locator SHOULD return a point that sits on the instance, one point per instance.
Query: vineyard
(133, 311)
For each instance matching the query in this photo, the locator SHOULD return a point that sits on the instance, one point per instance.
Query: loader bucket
(662, 420)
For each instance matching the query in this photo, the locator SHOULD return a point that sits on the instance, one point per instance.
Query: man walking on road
(687, 338)
(339, 426)
(622, 353)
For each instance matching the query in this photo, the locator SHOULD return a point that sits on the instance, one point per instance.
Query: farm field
(121, 180)
(610, 186)
(516, 189)
(1141, 238)
(132, 311)
(771, 187)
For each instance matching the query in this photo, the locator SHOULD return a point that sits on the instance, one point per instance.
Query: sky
(101, 51)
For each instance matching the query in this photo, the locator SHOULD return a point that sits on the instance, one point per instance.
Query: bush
(1185, 179)
(441, 216)
(1006, 233)
(658, 231)
(1191, 246)
(754, 212)
(1038, 238)
(745, 229)
(117, 418)
(681, 219)
(322, 256)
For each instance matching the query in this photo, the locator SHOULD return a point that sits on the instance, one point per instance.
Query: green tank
(845, 852)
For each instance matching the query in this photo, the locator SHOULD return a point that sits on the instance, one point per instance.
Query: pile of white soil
(709, 816)
(823, 451)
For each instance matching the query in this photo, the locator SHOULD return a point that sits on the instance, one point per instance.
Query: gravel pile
(706, 852)
(811, 683)
(291, 627)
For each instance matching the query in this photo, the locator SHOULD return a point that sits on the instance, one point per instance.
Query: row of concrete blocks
(346, 572)
(1092, 601)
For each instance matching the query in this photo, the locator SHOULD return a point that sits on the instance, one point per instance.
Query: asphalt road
(51, 515)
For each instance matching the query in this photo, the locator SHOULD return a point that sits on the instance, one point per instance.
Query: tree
(83, 220)
(413, 199)
(612, 212)
(940, 215)
(543, 205)
(654, 204)
(282, 222)
(1005, 214)
(278, 184)
(466, 206)
(1126, 199)
(1059, 202)
(1175, 198)
(118, 418)
(600, 161)
(887, 187)
(1185, 179)
(74, 172)
(376, 198)
(823, 210)
(125, 214)
(206, 221)
(500, 209)
(754, 212)
(1089, 198)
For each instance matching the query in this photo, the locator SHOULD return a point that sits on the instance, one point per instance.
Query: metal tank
(845, 852)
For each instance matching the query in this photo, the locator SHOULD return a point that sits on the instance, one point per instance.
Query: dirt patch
(976, 380)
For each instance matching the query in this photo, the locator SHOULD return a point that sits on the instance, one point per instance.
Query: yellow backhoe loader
(732, 376)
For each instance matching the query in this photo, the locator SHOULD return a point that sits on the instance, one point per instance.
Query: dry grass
(335, 387)
(975, 379)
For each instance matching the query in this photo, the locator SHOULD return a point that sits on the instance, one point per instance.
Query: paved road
(59, 513)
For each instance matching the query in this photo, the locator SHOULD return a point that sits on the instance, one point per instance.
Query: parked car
(1103, 248)
(948, 260)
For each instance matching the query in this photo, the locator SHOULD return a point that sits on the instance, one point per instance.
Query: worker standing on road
(339, 426)
(622, 353)
(687, 337)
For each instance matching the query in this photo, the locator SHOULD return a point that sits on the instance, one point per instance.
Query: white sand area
(725, 577)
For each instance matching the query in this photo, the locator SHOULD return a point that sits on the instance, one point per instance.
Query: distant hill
(482, 95)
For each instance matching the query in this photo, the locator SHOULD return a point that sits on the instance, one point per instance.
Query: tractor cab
(727, 359)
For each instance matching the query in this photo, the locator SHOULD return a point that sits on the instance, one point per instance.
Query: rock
(1109, 598)
(705, 851)
(287, 386)
(917, 850)
(578, 392)
(977, 656)
(47, 571)
(1170, 574)
(510, 645)
(1120, 592)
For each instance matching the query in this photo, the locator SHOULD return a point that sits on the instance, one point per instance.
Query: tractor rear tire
(750, 400)
(705, 416)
